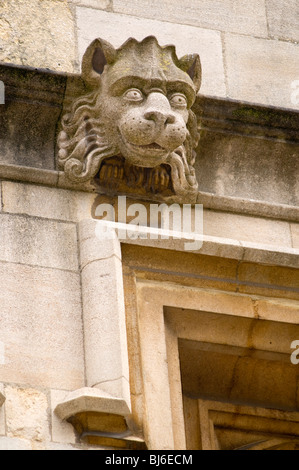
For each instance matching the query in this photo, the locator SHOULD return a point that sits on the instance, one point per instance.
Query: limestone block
(278, 310)
(283, 18)
(62, 431)
(24, 26)
(26, 413)
(295, 235)
(58, 446)
(50, 203)
(100, 4)
(92, 247)
(240, 166)
(38, 96)
(269, 276)
(10, 443)
(244, 228)
(38, 307)
(271, 255)
(117, 28)
(238, 17)
(261, 71)
(38, 242)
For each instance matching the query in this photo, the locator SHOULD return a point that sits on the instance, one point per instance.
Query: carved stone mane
(134, 132)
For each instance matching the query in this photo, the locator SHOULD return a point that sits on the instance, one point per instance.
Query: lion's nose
(159, 117)
(158, 109)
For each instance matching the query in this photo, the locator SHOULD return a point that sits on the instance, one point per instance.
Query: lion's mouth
(153, 146)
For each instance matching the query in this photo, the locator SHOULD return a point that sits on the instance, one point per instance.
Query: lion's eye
(133, 95)
(179, 100)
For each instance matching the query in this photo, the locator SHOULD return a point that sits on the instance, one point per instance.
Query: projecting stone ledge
(99, 418)
(247, 153)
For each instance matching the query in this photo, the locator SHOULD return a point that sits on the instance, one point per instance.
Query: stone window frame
(158, 334)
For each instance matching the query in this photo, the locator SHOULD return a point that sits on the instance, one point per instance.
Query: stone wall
(62, 293)
(249, 50)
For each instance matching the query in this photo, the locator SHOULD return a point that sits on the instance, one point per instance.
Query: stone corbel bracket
(99, 418)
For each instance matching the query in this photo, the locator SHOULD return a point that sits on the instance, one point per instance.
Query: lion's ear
(97, 55)
(192, 65)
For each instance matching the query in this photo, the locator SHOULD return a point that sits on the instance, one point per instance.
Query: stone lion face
(149, 122)
(136, 127)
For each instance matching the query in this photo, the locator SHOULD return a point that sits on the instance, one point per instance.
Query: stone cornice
(235, 117)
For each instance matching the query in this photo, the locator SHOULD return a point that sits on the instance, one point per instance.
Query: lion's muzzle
(151, 129)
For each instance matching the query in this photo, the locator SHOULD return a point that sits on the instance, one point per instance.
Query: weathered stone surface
(106, 354)
(236, 17)
(93, 248)
(103, 309)
(283, 18)
(117, 29)
(99, 4)
(295, 235)
(272, 255)
(89, 399)
(50, 203)
(62, 431)
(277, 310)
(27, 413)
(25, 26)
(205, 271)
(248, 168)
(269, 276)
(244, 228)
(38, 242)
(38, 96)
(38, 307)
(261, 71)
(10, 443)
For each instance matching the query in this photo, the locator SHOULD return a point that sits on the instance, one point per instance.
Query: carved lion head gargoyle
(134, 132)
